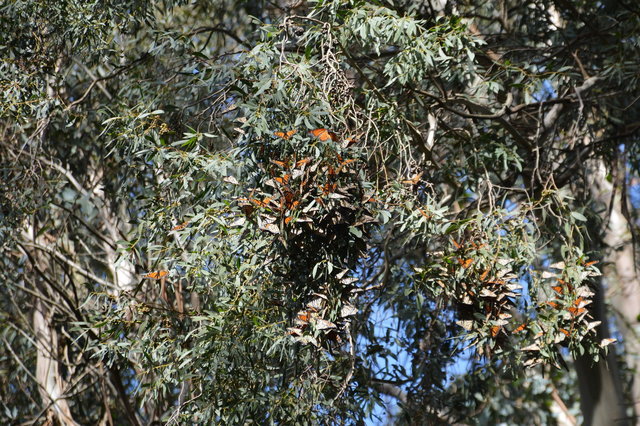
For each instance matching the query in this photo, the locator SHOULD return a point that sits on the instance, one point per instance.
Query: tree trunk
(601, 397)
(51, 385)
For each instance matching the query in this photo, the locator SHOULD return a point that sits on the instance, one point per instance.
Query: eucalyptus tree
(318, 211)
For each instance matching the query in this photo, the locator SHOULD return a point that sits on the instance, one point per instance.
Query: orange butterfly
(484, 275)
(304, 315)
(495, 330)
(180, 227)
(465, 263)
(302, 162)
(289, 199)
(324, 135)
(282, 164)
(283, 180)
(565, 284)
(328, 188)
(263, 203)
(520, 328)
(285, 135)
(575, 311)
(423, 213)
(414, 180)
(156, 275)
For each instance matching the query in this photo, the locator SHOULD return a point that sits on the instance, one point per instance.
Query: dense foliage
(310, 212)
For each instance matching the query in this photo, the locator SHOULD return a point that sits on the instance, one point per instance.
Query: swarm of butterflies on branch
(314, 206)
(486, 293)
(306, 204)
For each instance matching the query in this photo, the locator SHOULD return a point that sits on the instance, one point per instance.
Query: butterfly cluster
(313, 204)
(485, 294)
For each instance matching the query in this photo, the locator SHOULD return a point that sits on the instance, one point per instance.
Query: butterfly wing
(324, 134)
(156, 275)
(285, 135)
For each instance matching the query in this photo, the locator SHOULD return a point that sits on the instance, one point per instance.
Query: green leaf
(579, 216)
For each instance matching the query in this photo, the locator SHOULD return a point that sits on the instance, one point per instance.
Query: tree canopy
(319, 212)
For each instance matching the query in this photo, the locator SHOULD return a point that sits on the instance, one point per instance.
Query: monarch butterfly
(292, 331)
(263, 203)
(563, 331)
(283, 180)
(304, 316)
(247, 209)
(316, 304)
(607, 342)
(324, 135)
(565, 284)
(302, 162)
(328, 188)
(348, 310)
(495, 330)
(465, 263)
(322, 324)
(282, 164)
(289, 199)
(557, 289)
(156, 275)
(520, 328)
(285, 135)
(575, 311)
(180, 227)
(414, 180)
(271, 227)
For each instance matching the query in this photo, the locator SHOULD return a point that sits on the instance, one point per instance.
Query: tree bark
(601, 396)
(51, 385)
